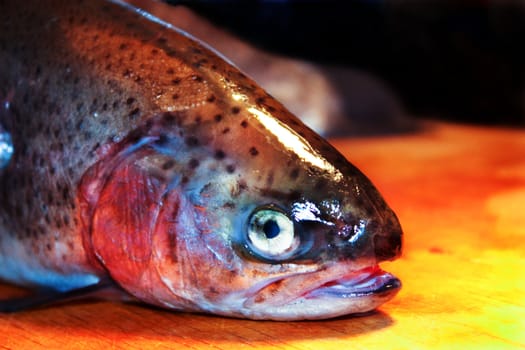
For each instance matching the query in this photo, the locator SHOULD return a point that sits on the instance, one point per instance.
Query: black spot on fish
(154, 52)
(230, 168)
(175, 96)
(134, 113)
(217, 117)
(196, 50)
(168, 164)
(176, 81)
(235, 110)
(192, 141)
(170, 71)
(219, 154)
(199, 63)
(211, 98)
(162, 40)
(244, 124)
(294, 174)
(123, 46)
(65, 193)
(229, 205)
(168, 118)
(253, 151)
(226, 130)
(66, 220)
(162, 141)
(130, 100)
(193, 163)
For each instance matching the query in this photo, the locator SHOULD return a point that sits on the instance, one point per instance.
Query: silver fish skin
(143, 158)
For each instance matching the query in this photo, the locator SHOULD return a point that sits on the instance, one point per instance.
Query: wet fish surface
(143, 160)
(331, 100)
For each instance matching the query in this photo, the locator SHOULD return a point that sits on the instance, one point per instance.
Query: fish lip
(370, 281)
(342, 289)
(339, 282)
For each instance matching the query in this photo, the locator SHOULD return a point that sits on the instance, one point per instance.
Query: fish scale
(142, 158)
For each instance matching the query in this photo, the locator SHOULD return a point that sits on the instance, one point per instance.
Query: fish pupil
(271, 229)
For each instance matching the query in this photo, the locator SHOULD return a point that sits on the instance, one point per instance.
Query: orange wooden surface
(460, 194)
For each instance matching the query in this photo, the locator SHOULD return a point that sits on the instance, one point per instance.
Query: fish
(143, 162)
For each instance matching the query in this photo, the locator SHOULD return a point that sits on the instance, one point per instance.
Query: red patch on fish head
(123, 209)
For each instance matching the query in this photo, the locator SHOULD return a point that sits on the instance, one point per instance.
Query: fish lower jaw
(362, 283)
(354, 293)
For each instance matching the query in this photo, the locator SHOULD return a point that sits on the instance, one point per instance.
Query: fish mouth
(369, 281)
(322, 294)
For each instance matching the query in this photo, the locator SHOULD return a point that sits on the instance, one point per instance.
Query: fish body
(143, 158)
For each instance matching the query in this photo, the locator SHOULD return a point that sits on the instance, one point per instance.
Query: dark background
(457, 60)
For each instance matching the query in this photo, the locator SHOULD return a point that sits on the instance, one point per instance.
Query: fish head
(307, 245)
(266, 221)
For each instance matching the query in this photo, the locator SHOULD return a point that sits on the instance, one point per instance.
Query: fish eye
(271, 234)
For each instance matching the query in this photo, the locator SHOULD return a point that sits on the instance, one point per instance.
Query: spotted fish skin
(140, 155)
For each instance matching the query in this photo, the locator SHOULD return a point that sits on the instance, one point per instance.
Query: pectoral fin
(49, 297)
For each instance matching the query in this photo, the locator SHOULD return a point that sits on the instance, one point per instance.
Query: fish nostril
(344, 231)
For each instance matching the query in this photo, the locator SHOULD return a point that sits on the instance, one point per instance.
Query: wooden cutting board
(459, 192)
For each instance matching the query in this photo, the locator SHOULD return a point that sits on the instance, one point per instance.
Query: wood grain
(460, 194)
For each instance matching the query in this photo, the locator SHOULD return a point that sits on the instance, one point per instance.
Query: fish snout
(388, 239)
